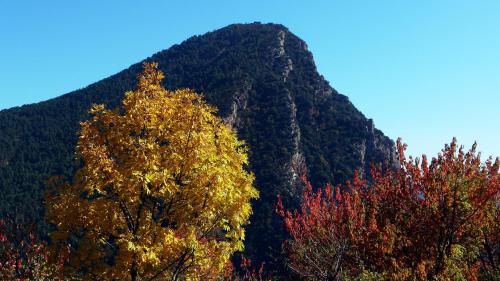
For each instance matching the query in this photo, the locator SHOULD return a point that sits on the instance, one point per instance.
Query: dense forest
(264, 82)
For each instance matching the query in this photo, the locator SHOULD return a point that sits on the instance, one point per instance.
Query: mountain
(264, 81)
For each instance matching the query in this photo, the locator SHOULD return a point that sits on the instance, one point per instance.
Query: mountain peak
(257, 25)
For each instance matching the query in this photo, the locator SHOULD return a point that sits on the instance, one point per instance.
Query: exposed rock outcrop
(239, 104)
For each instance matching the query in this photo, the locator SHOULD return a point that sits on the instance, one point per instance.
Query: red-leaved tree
(427, 221)
(323, 230)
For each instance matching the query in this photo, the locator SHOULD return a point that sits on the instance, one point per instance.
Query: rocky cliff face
(265, 84)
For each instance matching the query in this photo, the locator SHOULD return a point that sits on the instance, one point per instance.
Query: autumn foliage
(24, 256)
(248, 271)
(163, 192)
(423, 221)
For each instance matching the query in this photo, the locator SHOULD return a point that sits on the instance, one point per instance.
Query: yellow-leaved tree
(163, 192)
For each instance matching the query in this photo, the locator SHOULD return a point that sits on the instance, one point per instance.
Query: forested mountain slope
(265, 84)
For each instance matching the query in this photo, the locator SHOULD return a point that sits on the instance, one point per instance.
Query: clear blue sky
(423, 70)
